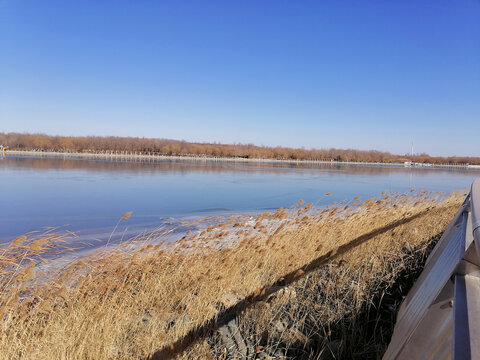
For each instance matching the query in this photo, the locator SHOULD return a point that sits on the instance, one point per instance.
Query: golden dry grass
(300, 269)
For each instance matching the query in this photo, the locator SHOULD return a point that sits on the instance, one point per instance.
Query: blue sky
(313, 74)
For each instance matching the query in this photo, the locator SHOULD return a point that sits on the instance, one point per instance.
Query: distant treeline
(97, 144)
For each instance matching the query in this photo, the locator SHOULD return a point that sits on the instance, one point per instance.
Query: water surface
(93, 194)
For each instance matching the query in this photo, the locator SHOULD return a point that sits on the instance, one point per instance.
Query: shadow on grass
(367, 334)
(262, 294)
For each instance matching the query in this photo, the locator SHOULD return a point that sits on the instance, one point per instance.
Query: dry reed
(129, 302)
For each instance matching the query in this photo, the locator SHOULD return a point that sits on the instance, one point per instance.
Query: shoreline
(131, 287)
(133, 156)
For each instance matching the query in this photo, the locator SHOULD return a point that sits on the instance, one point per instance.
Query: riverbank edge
(132, 156)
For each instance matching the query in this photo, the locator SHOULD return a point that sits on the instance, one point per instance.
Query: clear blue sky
(345, 74)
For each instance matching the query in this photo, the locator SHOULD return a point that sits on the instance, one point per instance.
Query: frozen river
(91, 195)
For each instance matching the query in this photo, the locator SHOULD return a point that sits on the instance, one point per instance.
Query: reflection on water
(93, 194)
(207, 166)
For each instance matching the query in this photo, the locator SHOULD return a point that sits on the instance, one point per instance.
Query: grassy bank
(297, 282)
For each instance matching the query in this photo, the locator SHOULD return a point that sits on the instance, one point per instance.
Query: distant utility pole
(412, 149)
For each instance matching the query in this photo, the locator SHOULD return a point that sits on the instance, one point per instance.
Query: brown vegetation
(285, 278)
(121, 145)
